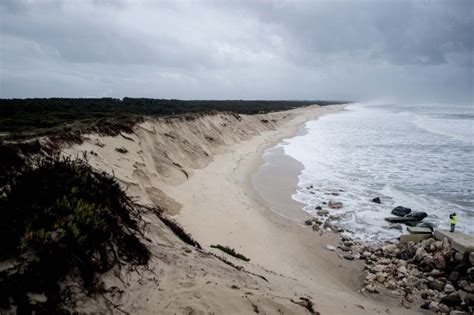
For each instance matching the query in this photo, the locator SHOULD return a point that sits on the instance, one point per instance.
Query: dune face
(165, 151)
(196, 168)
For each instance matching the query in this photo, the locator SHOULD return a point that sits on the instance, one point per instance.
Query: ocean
(416, 156)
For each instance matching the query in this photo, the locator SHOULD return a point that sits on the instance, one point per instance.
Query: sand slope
(198, 169)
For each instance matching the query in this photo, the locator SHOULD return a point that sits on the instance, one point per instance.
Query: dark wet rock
(309, 222)
(436, 285)
(453, 276)
(401, 211)
(418, 216)
(452, 299)
(318, 208)
(316, 228)
(323, 212)
(376, 200)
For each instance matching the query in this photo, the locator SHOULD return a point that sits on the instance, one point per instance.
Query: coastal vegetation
(62, 220)
(26, 118)
(230, 251)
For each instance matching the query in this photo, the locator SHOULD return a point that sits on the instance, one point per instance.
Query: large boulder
(401, 211)
(461, 242)
(418, 216)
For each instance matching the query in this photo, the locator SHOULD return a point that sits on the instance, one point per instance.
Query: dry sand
(201, 170)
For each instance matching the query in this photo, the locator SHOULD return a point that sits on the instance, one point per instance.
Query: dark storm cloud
(397, 50)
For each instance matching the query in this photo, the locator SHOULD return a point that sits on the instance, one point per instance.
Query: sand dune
(198, 169)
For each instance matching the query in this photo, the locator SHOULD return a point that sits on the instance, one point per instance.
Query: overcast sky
(396, 51)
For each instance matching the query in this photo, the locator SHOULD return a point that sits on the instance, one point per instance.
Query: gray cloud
(399, 50)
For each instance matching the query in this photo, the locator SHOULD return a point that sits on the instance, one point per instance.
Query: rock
(448, 288)
(471, 258)
(416, 238)
(348, 257)
(376, 200)
(443, 308)
(371, 288)
(418, 216)
(335, 204)
(380, 277)
(458, 256)
(330, 248)
(461, 242)
(433, 306)
(453, 276)
(401, 211)
(323, 212)
(309, 222)
(456, 312)
(452, 299)
(335, 193)
(439, 261)
(36, 298)
(391, 285)
(436, 285)
(318, 208)
(316, 228)
(468, 299)
(420, 253)
(348, 243)
(418, 230)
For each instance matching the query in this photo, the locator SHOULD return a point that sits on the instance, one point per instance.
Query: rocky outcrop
(401, 211)
(431, 273)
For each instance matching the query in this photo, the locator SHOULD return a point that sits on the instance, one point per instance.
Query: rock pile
(430, 271)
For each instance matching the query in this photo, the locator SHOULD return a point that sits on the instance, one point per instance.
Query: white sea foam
(407, 155)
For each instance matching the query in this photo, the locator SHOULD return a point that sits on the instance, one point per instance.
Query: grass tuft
(231, 251)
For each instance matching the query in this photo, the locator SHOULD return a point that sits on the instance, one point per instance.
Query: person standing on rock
(454, 221)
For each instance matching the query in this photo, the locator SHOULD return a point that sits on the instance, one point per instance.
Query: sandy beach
(221, 206)
(206, 172)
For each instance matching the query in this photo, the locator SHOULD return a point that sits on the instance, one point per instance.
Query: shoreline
(220, 206)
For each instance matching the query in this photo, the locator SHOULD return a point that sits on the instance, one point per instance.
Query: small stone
(335, 204)
(376, 200)
(443, 308)
(420, 253)
(330, 248)
(471, 258)
(448, 288)
(436, 285)
(453, 276)
(318, 208)
(323, 212)
(348, 257)
(371, 288)
(434, 306)
(458, 256)
(315, 228)
(309, 222)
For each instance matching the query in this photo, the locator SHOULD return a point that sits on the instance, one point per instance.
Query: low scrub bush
(62, 219)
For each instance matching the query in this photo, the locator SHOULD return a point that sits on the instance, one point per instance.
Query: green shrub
(60, 217)
(231, 252)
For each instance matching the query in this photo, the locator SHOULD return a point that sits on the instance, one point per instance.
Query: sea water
(416, 156)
